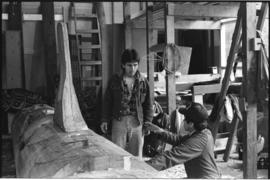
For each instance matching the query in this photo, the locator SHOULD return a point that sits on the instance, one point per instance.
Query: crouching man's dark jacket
(195, 151)
(113, 97)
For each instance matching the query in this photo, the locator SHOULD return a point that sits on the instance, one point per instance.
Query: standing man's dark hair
(130, 55)
(127, 105)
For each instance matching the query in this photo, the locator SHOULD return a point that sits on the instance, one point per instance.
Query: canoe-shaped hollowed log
(42, 150)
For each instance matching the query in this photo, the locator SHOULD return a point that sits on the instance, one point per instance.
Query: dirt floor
(230, 169)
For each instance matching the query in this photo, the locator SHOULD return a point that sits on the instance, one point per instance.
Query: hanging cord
(151, 55)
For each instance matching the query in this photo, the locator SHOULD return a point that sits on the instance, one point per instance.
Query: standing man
(127, 105)
(195, 150)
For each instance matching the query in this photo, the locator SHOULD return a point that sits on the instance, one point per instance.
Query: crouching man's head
(196, 117)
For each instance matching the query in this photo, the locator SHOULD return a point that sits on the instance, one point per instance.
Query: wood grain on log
(67, 112)
(43, 150)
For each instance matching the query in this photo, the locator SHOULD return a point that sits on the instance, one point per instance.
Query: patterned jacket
(113, 97)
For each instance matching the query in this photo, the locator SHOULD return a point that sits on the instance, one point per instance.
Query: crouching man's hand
(152, 127)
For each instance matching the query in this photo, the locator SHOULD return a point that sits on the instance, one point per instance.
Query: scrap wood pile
(18, 99)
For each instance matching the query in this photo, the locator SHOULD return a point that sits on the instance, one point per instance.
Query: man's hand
(104, 127)
(152, 127)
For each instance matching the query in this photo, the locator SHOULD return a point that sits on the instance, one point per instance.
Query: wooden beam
(34, 17)
(231, 138)
(67, 111)
(15, 23)
(128, 26)
(33, 7)
(205, 11)
(150, 40)
(170, 77)
(181, 24)
(105, 47)
(118, 13)
(196, 78)
(49, 39)
(206, 89)
(128, 36)
(262, 15)
(214, 116)
(249, 92)
(195, 11)
(261, 54)
(197, 24)
(199, 90)
(39, 17)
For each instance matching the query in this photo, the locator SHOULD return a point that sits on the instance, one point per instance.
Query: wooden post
(262, 16)
(15, 24)
(67, 112)
(49, 40)
(128, 36)
(128, 26)
(260, 23)
(170, 77)
(105, 47)
(249, 91)
(231, 138)
(149, 43)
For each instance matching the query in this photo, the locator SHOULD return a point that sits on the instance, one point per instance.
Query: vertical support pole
(262, 15)
(49, 39)
(128, 35)
(15, 24)
(170, 77)
(149, 43)
(261, 18)
(249, 91)
(222, 47)
(128, 26)
(105, 47)
(113, 36)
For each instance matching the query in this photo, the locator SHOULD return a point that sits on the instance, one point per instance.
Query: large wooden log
(42, 150)
(56, 143)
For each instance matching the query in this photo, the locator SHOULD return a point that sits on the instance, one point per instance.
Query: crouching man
(195, 150)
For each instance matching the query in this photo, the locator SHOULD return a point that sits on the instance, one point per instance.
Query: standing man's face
(130, 68)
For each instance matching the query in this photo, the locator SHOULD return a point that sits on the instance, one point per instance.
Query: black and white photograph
(135, 90)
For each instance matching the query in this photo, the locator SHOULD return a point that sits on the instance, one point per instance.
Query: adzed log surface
(42, 150)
